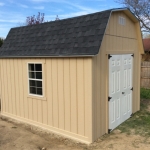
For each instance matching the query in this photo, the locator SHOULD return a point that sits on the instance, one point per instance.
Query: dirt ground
(17, 136)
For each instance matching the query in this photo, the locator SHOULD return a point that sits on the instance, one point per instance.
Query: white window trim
(35, 95)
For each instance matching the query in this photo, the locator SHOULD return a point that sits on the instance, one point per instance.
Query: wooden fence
(145, 74)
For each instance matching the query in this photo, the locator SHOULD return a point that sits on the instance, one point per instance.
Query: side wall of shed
(118, 39)
(65, 107)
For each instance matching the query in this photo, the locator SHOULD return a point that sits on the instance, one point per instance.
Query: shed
(77, 77)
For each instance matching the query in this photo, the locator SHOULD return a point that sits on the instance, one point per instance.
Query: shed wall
(65, 107)
(118, 39)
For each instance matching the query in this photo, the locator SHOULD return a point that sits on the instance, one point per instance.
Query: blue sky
(13, 13)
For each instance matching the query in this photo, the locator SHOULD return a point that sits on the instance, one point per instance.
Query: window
(35, 79)
(122, 20)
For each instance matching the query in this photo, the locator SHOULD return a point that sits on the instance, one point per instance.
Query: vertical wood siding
(67, 85)
(118, 39)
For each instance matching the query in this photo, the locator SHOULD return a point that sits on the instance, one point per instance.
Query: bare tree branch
(35, 20)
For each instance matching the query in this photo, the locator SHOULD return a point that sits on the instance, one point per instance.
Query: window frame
(122, 20)
(33, 79)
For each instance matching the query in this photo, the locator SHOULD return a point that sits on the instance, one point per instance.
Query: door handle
(123, 92)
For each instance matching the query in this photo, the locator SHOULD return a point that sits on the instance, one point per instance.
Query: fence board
(145, 74)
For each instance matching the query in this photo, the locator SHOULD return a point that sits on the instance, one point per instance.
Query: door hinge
(132, 55)
(131, 89)
(109, 130)
(109, 98)
(109, 56)
(131, 115)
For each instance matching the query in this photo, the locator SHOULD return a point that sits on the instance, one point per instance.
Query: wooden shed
(77, 77)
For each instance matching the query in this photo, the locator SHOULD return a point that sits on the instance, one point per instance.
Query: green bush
(145, 93)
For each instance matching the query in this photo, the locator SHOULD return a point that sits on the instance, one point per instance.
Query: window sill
(37, 97)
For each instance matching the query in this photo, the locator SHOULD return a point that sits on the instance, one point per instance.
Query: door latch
(123, 92)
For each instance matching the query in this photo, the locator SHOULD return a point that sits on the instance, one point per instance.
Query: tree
(35, 19)
(1, 42)
(141, 9)
(146, 35)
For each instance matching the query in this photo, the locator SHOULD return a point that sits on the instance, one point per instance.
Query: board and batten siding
(118, 39)
(66, 106)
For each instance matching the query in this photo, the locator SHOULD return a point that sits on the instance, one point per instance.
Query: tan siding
(21, 88)
(25, 87)
(67, 93)
(35, 110)
(8, 86)
(66, 105)
(49, 92)
(40, 118)
(0, 87)
(44, 104)
(61, 94)
(30, 103)
(88, 98)
(73, 87)
(117, 40)
(114, 28)
(80, 96)
(16, 70)
(3, 109)
(55, 90)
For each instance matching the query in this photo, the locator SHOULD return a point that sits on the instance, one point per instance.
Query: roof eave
(60, 56)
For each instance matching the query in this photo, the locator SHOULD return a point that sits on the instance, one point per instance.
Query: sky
(13, 13)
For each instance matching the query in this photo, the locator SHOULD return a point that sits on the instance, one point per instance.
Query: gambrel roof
(78, 36)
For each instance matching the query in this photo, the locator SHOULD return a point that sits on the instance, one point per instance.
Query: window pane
(38, 75)
(32, 90)
(39, 91)
(32, 75)
(38, 67)
(32, 83)
(31, 67)
(39, 84)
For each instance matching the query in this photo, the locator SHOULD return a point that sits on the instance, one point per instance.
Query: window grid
(122, 20)
(35, 79)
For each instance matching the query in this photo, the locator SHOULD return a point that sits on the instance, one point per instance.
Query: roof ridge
(90, 14)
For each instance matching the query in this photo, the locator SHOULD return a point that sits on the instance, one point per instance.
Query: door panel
(120, 93)
(115, 64)
(127, 68)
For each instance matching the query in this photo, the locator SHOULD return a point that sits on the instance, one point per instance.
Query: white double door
(120, 89)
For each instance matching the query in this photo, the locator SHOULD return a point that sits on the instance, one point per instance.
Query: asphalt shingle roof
(68, 37)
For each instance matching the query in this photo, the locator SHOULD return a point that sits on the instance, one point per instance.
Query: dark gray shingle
(68, 37)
